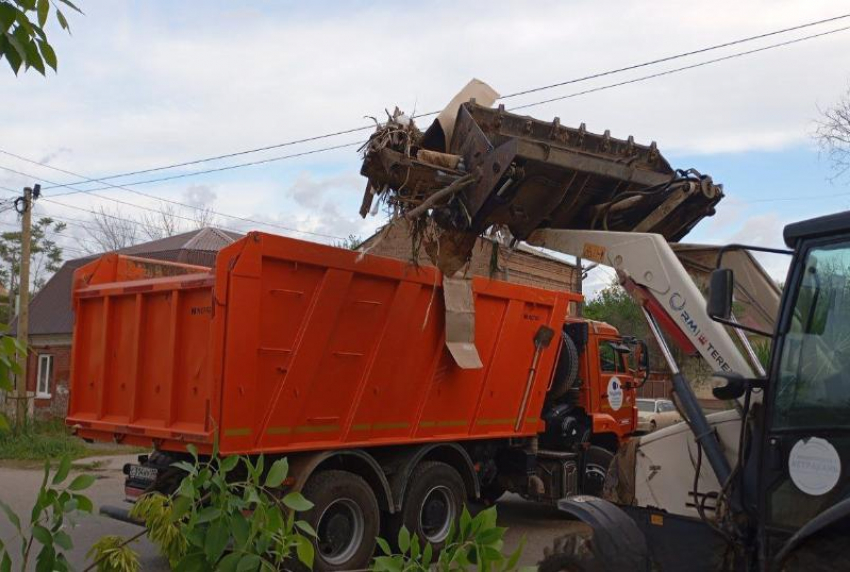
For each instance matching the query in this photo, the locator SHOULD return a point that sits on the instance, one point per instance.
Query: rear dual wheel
(346, 519)
(432, 501)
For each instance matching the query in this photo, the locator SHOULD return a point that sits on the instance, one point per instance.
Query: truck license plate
(140, 473)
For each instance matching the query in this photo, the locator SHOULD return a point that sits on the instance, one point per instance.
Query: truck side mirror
(720, 288)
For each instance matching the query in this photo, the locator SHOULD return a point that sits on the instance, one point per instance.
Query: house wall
(60, 348)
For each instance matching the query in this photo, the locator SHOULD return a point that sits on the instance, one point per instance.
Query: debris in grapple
(476, 167)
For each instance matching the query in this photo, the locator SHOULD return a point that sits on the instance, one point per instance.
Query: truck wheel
(566, 371)
(571, 553)
(596, 463)
(345, 517)
(433, 501)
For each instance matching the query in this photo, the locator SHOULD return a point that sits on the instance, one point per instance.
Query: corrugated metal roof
(50, 309)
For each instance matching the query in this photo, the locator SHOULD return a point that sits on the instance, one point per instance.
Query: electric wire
(508, 96)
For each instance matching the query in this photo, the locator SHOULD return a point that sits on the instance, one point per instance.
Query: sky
(146, 84)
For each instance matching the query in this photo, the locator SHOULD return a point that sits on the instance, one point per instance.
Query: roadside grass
(51, 439)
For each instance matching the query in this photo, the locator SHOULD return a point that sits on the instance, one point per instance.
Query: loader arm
(649, 269)
(652, 274)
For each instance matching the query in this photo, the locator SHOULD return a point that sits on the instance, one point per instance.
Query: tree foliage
(23, 41)
(47, 256)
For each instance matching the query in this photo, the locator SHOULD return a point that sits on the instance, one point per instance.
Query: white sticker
(615, 394)
(814, 466)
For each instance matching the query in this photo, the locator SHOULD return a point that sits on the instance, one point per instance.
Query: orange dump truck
(338, 361)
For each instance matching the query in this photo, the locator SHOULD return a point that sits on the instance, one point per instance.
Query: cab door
(615, 398)
(806, 462)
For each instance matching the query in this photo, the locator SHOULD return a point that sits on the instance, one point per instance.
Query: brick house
(52, 317)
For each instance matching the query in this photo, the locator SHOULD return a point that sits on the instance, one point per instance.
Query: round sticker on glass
(615, 394)
(814, 466)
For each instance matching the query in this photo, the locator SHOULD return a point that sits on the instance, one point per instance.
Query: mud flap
(618, 543)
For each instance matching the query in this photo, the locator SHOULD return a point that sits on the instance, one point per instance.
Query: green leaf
(63, 470)
(308, 529)
(515, 555)
(490, 535)
(7, 18)
(192, 563)
(305, 551)
(404, 540)
(84, 503)
(10, 514)
(62, 539)
(62, 21)
(82, 482)
(217, 537)
(4, 423)
(42, 535)
(240, 529)
(6, 563)
(185, 466)
(297, 502)
(43, 7)
(248, 562)
(192, 451)
(229, 562)
(228, 463)
(16, 43)
(34, 58)
(427, 555)
(180, 507)
(208, 514)
(71, 5)
(384, 545)
(277, 473)
(465, 524)
(48, 54)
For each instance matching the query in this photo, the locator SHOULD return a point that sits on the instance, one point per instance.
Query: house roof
(50, 310)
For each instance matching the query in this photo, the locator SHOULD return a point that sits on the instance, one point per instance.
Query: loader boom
(654, 276)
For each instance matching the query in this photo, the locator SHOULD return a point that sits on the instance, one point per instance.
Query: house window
(45, 375)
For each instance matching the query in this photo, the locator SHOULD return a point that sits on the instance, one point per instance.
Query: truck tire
(596, 463)
(566, 372)
(571, 553)
(346, 518)
(432, 502)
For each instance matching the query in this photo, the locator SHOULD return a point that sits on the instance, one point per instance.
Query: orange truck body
(291, 346)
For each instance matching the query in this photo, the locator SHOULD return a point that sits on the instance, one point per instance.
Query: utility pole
(24, 206)
(579, 279)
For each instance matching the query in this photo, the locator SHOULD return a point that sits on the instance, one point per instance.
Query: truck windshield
(813, 388)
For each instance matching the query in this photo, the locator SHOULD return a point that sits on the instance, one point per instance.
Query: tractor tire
(433, 500)
(346, 518)
(827, 550)
(596, 463)
(566, 372)
(571, 553)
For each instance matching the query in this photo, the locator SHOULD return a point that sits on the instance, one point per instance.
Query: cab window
(609, 358)
(813, 388)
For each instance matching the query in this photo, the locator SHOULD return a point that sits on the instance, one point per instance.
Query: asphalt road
(18, 487)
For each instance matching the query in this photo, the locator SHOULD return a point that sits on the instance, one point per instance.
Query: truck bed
(288, 345)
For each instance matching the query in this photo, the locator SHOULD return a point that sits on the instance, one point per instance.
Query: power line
(518, 107)
(158, 198)
(681, 69)
(508, 96)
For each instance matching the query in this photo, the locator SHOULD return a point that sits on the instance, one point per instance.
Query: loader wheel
(433, 501)
(824, 551)
(566, 371)
(571, 553)
(596, 463)
(345, 517)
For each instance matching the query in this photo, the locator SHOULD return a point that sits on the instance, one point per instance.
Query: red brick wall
(57, 404)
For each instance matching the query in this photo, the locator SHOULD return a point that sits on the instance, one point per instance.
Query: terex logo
(677, 303)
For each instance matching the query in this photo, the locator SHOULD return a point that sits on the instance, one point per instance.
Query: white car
(656, 413)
